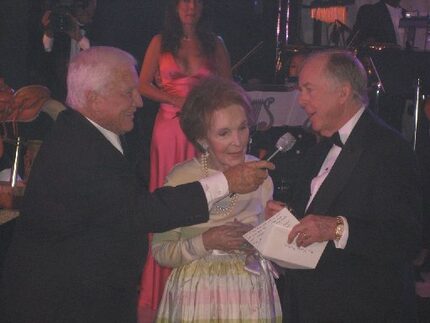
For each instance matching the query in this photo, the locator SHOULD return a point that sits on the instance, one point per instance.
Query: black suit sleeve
(386, 225)
(81, 184)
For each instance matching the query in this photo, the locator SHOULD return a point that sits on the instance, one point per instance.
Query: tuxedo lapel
(125, 146)
(336, 180)
(342, 169)
(311, 167)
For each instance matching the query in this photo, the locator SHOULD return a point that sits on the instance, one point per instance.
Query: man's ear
(345, 92)
(92, 100)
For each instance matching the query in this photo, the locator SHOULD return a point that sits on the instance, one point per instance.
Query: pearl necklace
(223, 211)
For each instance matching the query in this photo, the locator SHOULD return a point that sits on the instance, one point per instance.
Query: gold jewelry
(226, 210)
(339, 228)
(220, 210)
(204, 162)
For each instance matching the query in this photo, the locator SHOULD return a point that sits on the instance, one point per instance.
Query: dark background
(130, 25)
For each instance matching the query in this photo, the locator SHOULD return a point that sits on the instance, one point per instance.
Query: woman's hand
(273, 207)
(227, 237)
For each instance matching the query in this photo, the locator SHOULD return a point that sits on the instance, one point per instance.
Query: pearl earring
(204, 146)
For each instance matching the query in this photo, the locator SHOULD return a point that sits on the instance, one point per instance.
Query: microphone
(284, 143)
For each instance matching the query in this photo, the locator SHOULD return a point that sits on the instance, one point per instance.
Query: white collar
(112, 137)
(347, 128)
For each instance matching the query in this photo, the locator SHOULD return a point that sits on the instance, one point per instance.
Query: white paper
(270, 239)
(283, 218)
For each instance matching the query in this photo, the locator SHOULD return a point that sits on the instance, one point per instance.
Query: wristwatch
(339, 228)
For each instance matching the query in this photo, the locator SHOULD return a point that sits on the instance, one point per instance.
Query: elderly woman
(210, 280)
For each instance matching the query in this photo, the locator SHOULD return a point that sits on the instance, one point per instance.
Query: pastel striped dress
(211, 285)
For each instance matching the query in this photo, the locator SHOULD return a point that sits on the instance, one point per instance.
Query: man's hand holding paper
(313, 228)
(271, 240)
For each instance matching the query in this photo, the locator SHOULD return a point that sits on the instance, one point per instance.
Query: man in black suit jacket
(81, 240)
(374, 24)
(363, 198)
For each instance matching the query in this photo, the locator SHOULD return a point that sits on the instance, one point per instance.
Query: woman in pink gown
(184, 53)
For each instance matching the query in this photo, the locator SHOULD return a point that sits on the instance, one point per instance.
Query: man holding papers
(358, 190)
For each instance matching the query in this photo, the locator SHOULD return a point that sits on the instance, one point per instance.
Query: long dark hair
(172, 31)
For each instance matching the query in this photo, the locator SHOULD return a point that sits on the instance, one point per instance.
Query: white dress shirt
(326, 167)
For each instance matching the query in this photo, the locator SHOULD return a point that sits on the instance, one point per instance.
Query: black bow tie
(335, 139)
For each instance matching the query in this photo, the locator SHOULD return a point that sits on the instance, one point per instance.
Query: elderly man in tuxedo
(359, 190)
(80, 242)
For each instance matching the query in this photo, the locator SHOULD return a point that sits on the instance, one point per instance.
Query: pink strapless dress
(169, 146)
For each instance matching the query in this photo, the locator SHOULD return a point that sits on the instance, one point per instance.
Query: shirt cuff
(198, 246)
(341, 244)
(215, 188)
(84, 43)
